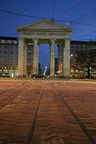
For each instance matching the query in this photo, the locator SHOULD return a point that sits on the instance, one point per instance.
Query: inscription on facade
(44, 33)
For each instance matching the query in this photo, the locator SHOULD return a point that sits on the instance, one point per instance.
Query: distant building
(76, 70)
(9, 55)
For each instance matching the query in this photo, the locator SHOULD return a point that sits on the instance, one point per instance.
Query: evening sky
(80, 15)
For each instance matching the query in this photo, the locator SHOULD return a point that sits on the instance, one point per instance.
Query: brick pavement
(55, 124)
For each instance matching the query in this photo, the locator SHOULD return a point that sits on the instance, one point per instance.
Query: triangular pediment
(42, 25)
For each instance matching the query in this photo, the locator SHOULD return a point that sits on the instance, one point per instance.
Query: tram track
(11, 88)
(12, 100)
(31, 130)
(27, 111)
(76, 117)
(43, 116)
(50, 129)
(10, 92)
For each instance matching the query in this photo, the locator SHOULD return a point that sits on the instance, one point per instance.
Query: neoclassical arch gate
(44, 32)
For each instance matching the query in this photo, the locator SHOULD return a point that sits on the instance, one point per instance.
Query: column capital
(67, 39)
(35, 39)
(21, 38)
(52, 39)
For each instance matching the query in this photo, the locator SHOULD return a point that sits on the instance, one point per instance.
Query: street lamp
(71, 55)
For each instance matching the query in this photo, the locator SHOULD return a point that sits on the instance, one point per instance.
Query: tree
(86, 58)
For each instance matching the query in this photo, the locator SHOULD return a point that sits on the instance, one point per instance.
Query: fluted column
(66, 59)
(35, 56)
(25, 59)
(20, 57)
(63, 59)
(2, 71)
(52, 60)
(60, 58)
(37, 60)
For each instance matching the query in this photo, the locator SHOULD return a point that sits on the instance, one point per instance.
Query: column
(66, 59)
(8, 70)
(60, 58)
(2, 71)
(35, 56)
(63, 59)
(52, 60)
(37, 60)
(25, 59)
(20, 57)
(14, 72)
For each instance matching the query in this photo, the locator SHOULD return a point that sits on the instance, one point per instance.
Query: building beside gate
(75, 69)
(9, 56)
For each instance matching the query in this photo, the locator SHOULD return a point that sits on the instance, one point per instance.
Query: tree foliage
(86, 58)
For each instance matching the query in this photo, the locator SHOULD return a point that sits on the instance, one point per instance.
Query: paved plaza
(54, 122)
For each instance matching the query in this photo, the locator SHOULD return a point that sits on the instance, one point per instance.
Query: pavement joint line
(12, 101)
(77, 118)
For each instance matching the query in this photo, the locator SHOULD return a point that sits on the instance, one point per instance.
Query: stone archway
(47, 32)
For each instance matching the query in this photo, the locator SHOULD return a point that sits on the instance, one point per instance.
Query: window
(5, 47)
(11, 52)
(5, 52)
(5, 61)
(71, 50)
(29, 48)
(72, 46)
(11, 47)
(5, 57)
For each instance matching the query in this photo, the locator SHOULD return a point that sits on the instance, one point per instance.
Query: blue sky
(81, 15)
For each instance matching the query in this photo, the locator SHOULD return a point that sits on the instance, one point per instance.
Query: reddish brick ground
(55, 123)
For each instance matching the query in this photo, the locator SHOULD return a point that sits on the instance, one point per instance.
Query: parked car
(38, 76)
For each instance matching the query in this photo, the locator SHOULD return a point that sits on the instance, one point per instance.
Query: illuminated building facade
(9, 56)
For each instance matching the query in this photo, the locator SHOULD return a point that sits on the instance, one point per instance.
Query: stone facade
(47, 32)
(9, 56)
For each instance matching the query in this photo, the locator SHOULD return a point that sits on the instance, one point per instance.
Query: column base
(65, 77)
(52, 76)
(21, 76)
